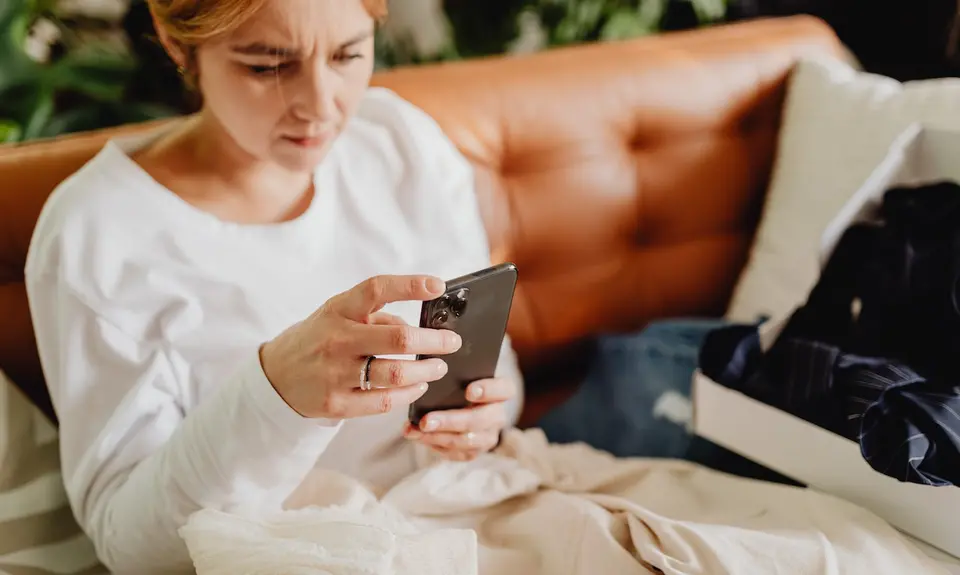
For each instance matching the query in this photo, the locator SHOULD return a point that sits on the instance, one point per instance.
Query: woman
(207, 298)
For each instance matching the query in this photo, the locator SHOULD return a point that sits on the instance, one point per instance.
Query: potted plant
(491, 27)
(56, 79)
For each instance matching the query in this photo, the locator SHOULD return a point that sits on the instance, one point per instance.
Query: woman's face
(285, 83)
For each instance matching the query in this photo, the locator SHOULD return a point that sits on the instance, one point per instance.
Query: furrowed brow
(258, 49)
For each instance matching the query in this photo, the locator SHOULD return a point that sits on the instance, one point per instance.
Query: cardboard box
(815, 456)
(950, 564)
(824, 461)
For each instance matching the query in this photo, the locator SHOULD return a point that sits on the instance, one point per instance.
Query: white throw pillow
(837, 125)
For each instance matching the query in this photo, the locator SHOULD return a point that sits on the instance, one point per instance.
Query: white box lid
(824, 461)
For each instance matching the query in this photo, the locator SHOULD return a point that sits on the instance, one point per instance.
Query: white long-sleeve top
(149, 314)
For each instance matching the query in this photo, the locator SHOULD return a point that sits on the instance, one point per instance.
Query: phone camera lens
(440, 318)
(459, 304)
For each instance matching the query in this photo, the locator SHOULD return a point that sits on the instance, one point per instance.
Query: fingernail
(455, 341)
(424, 387)
(435, 285)
(442, 368)
(431, 424)
(475, 392)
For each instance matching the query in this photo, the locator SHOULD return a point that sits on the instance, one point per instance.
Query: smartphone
(475, 306)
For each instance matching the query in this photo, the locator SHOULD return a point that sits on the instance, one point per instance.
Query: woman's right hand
(316, 365)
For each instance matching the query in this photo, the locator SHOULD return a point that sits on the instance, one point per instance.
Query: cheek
(356, 80)
(230, 96)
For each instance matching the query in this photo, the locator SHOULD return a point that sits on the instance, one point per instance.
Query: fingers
(401, 372)
(473, 442)
(352, 403)
(490, 416)
(455, 455)
(491, 390)
(371, 295)
(403, 340)
(384, 318)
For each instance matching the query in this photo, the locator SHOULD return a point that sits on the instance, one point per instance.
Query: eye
(347, 56)
(260, 70)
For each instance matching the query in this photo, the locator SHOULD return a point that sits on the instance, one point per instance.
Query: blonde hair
(190, 23)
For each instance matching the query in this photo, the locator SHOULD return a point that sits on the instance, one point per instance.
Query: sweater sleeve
(134, 464)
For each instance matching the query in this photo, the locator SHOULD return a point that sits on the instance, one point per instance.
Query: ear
(170, 45)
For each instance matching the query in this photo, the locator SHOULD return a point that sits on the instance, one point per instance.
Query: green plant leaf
(650, 12)
(99, 74)
(42, 110)
(15, 66)
(709, 11)
(42, 6)
(102, 115)
(589, 12)
(9, 131)
(625, 23)
(581, 22)
(21, 103)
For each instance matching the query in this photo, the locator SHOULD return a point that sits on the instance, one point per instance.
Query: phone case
(476, 306)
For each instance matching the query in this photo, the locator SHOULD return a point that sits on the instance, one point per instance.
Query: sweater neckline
(120, 149)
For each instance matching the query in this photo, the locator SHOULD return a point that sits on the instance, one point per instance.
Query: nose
(315, 99)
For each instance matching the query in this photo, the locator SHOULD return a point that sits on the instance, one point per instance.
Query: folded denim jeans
(636, 400)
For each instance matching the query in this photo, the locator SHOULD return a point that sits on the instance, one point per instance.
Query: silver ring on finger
(365, 384)
(470, 437)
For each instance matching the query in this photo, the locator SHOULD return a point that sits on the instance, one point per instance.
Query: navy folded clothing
(870, 355)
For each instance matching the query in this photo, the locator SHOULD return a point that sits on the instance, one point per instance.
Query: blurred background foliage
(73, 65)
(62, 71)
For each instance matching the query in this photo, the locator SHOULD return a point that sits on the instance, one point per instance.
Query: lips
(307, 141)
(311, 138)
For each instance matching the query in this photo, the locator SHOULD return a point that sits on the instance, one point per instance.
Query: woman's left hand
(463, 434)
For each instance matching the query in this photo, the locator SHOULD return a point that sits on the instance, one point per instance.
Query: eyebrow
(260, 49)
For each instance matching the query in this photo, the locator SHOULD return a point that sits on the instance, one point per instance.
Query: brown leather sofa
(625, 181)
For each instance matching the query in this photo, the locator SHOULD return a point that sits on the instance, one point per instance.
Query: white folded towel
(331, 541)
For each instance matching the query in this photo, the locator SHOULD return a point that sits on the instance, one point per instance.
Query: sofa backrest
(624, 179)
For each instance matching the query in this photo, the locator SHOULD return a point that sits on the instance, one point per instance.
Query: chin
(299, 160)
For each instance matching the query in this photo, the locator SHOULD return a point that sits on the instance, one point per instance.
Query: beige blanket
(530, 509)
(535, 508)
